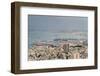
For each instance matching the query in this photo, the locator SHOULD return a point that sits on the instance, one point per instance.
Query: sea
(36, 36)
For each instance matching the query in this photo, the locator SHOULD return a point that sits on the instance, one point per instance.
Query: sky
(57, 23)
(47, 28)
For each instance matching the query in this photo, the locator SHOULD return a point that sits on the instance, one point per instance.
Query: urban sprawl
(58, 49)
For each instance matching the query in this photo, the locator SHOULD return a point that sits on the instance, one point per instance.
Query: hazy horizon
(52, 27)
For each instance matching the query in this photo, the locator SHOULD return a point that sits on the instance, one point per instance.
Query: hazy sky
(57, 23)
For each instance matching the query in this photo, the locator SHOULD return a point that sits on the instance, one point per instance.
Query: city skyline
(57, 37)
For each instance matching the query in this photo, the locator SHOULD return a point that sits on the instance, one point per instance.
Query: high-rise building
(66, 47)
